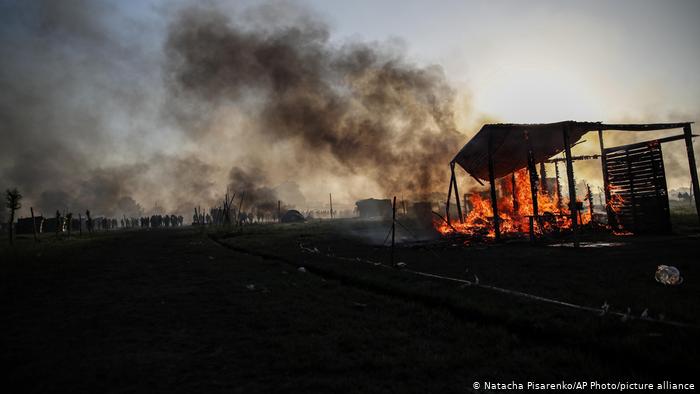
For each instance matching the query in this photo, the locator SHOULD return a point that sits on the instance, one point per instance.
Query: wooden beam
(693, 167)
(494, 202)
(573, 158)
(449, 197)
(606, 183)
(532, 170)
(514, 189)
(330, 198)
(645, 143)
(543, 178)
(459, 204)
(558, 184)
(572, 187)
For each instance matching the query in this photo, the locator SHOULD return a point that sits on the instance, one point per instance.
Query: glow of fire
(514, 210)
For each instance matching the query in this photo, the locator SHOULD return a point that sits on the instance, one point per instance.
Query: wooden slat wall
(637, 175)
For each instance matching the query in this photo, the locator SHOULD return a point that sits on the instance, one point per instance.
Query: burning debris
(515, 211)
(635, 183)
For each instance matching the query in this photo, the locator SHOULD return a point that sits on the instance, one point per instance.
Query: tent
(292, 216)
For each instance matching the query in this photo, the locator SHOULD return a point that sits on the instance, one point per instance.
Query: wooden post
(558, 184)
(543, 179)
(449, 197)
(606, 184)
(633, 202)
(279, 210)
(330, 198)
(459, 204)
(80, 224)
(572, 186)
(532, 170)
(533, 186)
(31, 209)
(590, 200)
(514, 189)
(693, 167)
(240, 206)
(393, 230)
(494, 202)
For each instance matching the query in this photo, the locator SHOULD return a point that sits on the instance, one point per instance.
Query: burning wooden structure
(634, 179)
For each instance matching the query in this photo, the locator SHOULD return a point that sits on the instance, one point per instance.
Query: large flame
(514, 210)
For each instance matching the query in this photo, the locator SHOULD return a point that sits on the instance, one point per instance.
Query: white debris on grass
(668, 275)
(301, 269)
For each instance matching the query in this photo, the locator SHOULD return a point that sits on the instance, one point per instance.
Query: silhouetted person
(69, 222)
(58, 222)
(89, 221)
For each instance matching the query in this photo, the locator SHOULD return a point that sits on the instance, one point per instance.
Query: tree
(12, 198)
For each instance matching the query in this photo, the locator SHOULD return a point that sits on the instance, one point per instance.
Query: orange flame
(514, 211)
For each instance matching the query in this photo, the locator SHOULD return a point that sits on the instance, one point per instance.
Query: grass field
(229, 310)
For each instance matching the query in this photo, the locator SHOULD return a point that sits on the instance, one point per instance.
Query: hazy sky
(540, 61)
(103, 64)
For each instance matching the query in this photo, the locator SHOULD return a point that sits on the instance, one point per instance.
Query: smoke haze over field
(118, 106)
(252, 99)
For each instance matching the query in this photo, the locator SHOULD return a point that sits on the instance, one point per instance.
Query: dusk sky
(89, 105)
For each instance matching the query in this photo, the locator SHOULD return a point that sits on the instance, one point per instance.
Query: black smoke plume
(355, 108)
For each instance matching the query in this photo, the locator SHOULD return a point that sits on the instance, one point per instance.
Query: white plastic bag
(668, 275)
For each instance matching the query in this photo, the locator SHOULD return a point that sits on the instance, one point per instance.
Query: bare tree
(12, 198)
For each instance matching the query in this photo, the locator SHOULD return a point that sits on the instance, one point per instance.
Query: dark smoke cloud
(105, 112)
(357, 108)
(78, 94)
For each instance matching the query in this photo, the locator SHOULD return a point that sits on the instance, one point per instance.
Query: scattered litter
(645, 314)
(668, 275)
(314, 250)
(250, 287)
(401, 264)
(590, 244)
(301, 269)
(604, 308)
(626, 316)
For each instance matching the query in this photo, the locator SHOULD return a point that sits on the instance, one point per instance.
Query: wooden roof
(507, 143)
